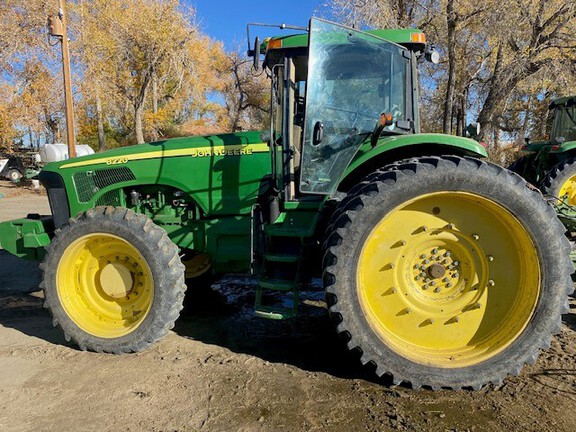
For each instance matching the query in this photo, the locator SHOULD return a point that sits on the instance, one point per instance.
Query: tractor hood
(222, 174)
(233, 144)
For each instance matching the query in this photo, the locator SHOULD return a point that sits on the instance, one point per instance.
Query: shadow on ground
(570, 318)
(224, 316)
(220, 316)
(24, 312)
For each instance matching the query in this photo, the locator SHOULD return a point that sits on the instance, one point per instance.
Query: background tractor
(440, 269)
(551, 164)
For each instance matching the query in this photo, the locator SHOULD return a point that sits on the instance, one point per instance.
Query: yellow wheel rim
(568, 191)
(105, 285)
(197, 265)
(448, 279)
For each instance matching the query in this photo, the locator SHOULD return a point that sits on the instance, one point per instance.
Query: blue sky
(226, 20)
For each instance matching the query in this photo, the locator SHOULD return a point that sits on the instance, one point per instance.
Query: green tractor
(552, 163)
(440, 269)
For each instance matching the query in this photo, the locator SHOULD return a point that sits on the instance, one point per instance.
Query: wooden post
(71, 138)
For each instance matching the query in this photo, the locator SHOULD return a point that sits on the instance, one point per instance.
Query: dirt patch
(222, 369)
(22, 189)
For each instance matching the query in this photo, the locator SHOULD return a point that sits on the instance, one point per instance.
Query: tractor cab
(563, 120)
(331, 90)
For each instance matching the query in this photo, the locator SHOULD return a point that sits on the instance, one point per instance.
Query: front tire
(113, 281)
(560, 182)
(447, 272)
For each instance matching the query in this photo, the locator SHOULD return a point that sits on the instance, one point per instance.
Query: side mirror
(256, 52)
(432, 55)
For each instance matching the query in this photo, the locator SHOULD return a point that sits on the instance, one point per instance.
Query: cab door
(353, 77)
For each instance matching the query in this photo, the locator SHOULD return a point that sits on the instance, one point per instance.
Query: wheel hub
(436, 271)
(116, 280)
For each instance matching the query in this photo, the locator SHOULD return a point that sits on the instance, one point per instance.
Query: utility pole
(57, 27)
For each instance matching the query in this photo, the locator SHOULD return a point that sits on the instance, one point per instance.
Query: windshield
(353, 77)
(564, 124)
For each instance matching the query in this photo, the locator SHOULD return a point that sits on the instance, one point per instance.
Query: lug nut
(475, 236)
(456, 263)
(451, 226)
(491, 283)
(490, 258)
(445, 280)
(435, 251)
(433, 283)
(448, 285)
(423, 256)
(417, 277)
(427, 280)
(437, 290)
(424, 228)
(391, 265)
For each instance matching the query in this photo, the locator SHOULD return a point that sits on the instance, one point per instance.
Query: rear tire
(113, 281)
(561, 182)
(495, 264)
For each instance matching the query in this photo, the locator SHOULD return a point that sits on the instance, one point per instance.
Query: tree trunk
(31, 137)
(138, 127)
(451, 19)
(154, 92)
(525, 123)
(489, 107)
(100, 120)
(139, 107)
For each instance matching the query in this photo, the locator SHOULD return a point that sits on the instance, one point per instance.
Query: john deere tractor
(552, 163)
(439, 268)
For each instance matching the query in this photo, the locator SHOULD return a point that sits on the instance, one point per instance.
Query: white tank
(59, 152)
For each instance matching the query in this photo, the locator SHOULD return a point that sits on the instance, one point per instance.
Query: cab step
(275, 313)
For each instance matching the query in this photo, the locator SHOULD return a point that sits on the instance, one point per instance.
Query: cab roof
(413, 39)
(567, 101)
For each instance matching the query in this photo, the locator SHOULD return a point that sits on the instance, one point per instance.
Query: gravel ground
(222, 369)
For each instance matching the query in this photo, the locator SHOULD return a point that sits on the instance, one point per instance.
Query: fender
(391, 149)
(569, 146)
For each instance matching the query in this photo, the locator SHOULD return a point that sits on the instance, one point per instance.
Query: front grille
(89, 183)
